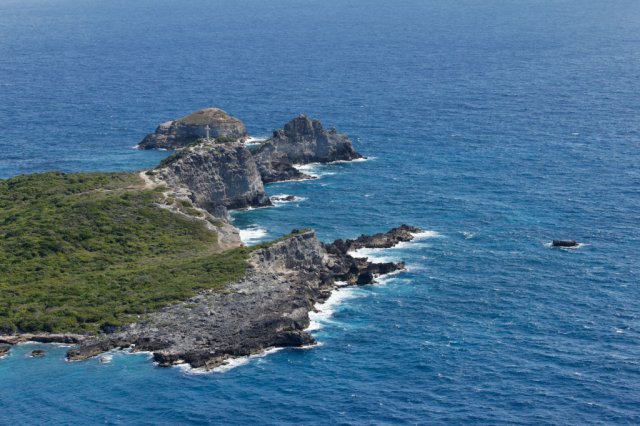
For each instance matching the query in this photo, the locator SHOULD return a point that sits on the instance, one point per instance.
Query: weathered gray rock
(185, 130)
(302, 141)
(14, 339)
(269, 307)
(215, 177)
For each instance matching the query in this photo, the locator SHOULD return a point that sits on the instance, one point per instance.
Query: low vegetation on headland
(88, 251)
(85, 252)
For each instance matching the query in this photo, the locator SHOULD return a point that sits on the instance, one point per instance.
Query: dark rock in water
(216, 177)
(38, 353)
(292, 339)
(4, 349)
(185, 130)
(365, 277)
(564, 243)
(302, 141)
(389, 239)
(269, 307)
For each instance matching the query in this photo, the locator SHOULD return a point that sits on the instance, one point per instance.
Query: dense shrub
(80, 252)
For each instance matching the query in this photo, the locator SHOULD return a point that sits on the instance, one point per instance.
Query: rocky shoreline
(269, 307)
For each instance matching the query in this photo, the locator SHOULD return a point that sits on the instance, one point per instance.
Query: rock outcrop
(564, 243)
(302, 141)
(188, 129)
(42, 338)
(403, 233)
(214, 176)
(269, 307)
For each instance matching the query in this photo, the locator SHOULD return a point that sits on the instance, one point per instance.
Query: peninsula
(150, 261)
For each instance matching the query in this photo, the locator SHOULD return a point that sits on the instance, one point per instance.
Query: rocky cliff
(185, 130)
(302, 140)
(214, 176)
(269, 307)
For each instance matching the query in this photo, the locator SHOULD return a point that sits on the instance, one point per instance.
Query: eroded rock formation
(302, 141)
(214, 176)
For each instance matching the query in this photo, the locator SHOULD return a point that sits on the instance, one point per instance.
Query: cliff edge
(215, 176)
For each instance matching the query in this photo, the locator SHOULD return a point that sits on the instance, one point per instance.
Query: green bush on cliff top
(82, 251)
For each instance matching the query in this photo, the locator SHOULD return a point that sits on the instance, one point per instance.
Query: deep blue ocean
(496, 125)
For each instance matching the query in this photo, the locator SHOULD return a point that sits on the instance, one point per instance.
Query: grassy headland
(83, 251)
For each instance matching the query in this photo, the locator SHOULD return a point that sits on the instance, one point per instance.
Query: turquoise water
(497, 125)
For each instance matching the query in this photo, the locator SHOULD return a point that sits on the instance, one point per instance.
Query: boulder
(38, 353)
(183, 131)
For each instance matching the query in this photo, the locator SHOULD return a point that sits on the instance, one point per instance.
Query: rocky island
(150, 261)
(183, 131)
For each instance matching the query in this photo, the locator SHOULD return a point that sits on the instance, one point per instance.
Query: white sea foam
(426, 234)
(357, 160)
(280, 202)
(377, 255)
(391, 276)
(228, 364)
(311, 169)
(252, 235)
(318, 170)
(579, 245)
(255, 139)
(324, 311)
(381, 255)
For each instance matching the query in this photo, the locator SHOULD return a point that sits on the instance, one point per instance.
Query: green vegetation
(171, 158)
(83, 251)
(226, 139)
(186, 207)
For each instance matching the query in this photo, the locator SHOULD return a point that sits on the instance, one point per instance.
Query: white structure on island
(207, 128)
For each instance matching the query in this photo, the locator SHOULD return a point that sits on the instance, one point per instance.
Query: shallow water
(498, 125)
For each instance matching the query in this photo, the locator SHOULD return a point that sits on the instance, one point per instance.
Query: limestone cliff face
(302, 253)
(185, 130)
(302, 141)
(215, 177)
